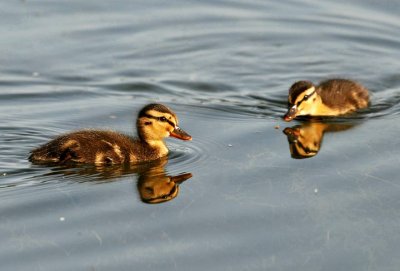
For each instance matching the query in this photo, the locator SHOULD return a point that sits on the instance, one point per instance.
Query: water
(225, 68)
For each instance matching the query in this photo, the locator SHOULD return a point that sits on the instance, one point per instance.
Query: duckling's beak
(291, 114)
(179, 133)
(181, 178)
(292, 133)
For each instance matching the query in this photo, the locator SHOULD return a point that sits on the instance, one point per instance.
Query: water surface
(224, 68)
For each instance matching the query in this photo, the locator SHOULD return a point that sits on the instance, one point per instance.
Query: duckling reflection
(159, 187)
(154, 184)
(305, 140)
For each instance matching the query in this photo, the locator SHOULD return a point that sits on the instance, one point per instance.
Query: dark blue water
(253, 201)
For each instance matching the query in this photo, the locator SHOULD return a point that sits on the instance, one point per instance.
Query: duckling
(154, 123)
(330, 98)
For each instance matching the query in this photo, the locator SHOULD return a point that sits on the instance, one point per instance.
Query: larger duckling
(154, 123)
(330, 98)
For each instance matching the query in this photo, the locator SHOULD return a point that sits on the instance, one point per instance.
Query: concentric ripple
(191, 156)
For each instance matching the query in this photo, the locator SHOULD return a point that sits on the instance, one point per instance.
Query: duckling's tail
(55, 152)
(42, 156)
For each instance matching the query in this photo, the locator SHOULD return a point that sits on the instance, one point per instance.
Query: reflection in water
(305, 140)
(159, 187)
(154, 185)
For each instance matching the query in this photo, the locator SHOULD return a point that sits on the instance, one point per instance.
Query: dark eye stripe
(305, 98)
(163, 119)
(163, 197)
(305, 149)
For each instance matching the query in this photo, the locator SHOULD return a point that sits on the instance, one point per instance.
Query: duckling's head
(301, 100)
(156, 121)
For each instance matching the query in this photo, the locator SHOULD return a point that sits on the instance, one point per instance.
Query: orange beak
(181, 178)
(179, 133)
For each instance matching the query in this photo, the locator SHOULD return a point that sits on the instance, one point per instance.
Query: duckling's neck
(321, 109)
(158, 145)
(313, 131)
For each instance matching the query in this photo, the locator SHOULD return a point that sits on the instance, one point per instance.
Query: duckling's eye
(306, 97)
(163, 118)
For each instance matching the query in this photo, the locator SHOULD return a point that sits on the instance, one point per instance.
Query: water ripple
(191, 156)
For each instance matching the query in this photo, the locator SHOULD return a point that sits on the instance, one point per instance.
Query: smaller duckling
(154, 123)
(333, 97)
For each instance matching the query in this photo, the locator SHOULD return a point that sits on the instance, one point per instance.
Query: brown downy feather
(91, 146)
(343, 94)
